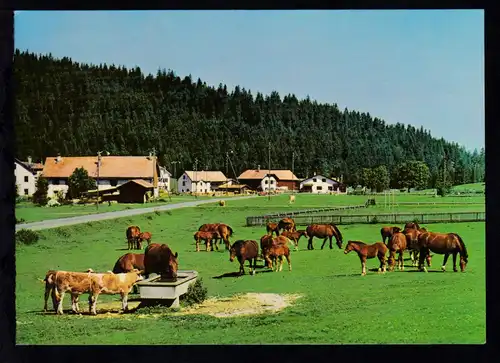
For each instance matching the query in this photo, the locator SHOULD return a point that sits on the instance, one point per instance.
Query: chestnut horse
(442, 243)
(287, 224)
(397, 244)
(387, 232)
(295, 236)
(266, 242)
(413, 225)
(132, 234)
(245, 250)
(143, 236)
(224, 231)
(128, 262)
(207, 237)
(412, 244)
(272, 227)
(276, 251)
(364, 251)
(325, 231)
(161, 260)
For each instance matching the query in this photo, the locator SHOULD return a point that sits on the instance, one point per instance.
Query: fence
(399, 218)
(271, 217)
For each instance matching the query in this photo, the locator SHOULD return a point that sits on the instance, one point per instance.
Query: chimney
(58, 158)
(29, 160)
(258, 167)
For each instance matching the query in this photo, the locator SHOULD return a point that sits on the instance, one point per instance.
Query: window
(55, 181)
(319, 188)
(25, 191)
(182, 190)
(272, 181)
(265, 181)
(323, 180)
(26, 179)
(113, 183)
(184, 176)
(62, 182)
(183, 183)
(187, 190)
(314, 180)
(330, 188)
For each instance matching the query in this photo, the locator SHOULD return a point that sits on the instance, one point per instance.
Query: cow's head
(138, 273)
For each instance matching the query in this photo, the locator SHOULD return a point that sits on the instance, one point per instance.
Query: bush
(196, 293)
(20, 220)
(27, 237)
(374, 220)
(40, 195)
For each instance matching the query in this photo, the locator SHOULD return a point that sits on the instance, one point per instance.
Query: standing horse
(272, 227)
(143, 236)
(397, 244)
(161, 260)
(223, 229)
(387, 232)
(132, 234)
(365, 252)
(207, 237)
(128, 262)
(442, 243)
(277, 251)
(295, 236)
(413, 225)
(245, 250)
(412, 245)
(325, 231)
(266, 242)
(287, 224)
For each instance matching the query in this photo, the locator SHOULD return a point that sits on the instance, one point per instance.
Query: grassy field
(470, 187)
(338, 306)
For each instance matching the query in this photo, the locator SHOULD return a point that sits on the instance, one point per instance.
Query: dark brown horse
(387, 232)
(287, 224)
(397, 244)
(143, 236)
(272, 227)
(325, 231)
(275, 252)
(207, 237)
(243, 251)
(295, 236)
(223, 229)
(412, 244)
(128, 262)
(132, 235)
(442, 243)
(161, 260)
(364, 251)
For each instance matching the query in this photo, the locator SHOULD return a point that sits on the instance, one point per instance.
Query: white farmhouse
(321, 184)
(200, 181)
(164, 179)
(26, 175)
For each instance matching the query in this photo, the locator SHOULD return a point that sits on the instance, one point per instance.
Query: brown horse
(245, 250)
(223, 229)
(266, 242)
(143, 236)
(442, 243)
(295, 236)
(132, 235)
(325, 231)
(387, 232)
(365, 252)
(277, 251)
(413, 225)
(397, 244)
(207, 237)
(287, 224)
(412, 245)
(272, 227)
(128, 262)
(161, 260)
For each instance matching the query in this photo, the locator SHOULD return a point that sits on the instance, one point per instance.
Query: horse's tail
(230, 231)
(337, 231)
(462, 245)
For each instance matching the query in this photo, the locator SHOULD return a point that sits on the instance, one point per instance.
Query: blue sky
(419, 67)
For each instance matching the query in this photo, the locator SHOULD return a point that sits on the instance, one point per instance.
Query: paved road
(53, 223)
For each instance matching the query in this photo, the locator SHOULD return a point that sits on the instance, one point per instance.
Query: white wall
(24, 186)
(184, 184)
(320, 185)
(271, 180)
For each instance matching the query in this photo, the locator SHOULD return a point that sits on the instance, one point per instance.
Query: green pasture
(470, 187)
(338, 306)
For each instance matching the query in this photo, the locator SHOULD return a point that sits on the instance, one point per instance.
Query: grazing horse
(128, 262)
(276, 251)
(207, 237)
(143, 236)
(272, 227)
(412, 245)
(397, 244)
(223, 229)
(295, 236)
(132, 234)
(364, 251)
(325, 231)
(287, 224)
(161, 260)
(245, 250)
(266, 242)
(387, 232)
(442, 243)
(291, 199)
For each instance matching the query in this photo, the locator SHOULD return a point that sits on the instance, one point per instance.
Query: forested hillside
(79, 109)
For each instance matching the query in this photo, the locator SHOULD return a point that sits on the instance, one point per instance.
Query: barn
(133, 191)
(321, 184)
(260, 179)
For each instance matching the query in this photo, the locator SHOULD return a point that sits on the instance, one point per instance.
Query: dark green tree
(40, 196)
(412, 174)
(381, 178)
(78, 183)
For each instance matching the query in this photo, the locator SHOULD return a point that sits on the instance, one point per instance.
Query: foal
(365, 251)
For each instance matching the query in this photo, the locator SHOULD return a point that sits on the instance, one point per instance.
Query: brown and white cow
(110, 284)
(76, 283)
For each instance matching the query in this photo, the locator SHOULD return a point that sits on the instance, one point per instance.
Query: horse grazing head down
(160, 259)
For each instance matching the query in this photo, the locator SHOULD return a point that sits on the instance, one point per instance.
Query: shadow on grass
(237, 274)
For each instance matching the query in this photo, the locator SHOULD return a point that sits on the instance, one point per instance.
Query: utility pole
(175, 171)
(195, 169)
(227, 172)
(293, 159)
(269, 175)
(98, 167)
(153, 157)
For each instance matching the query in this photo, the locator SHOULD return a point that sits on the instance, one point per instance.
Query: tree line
(74, 109)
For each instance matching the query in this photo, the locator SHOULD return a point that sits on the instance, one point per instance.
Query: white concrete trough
(154, 290)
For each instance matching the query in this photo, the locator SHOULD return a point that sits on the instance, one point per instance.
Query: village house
(112, 171)
(321, 184)
(261, 179)
(200, 181)
(164, 179)
(26, 174)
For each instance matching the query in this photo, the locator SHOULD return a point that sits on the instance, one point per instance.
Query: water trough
(154, 290)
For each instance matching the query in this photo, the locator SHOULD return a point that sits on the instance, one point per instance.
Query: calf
(110, 283)
(143, 236)
(275, 252)
(76, 283)
(272, 228)
(207, 237)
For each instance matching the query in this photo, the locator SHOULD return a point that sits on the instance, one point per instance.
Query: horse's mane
(358, 242)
